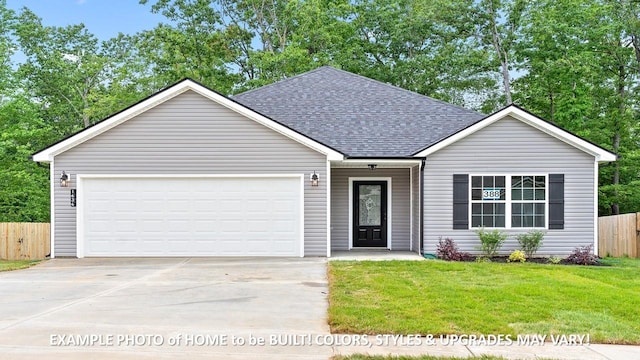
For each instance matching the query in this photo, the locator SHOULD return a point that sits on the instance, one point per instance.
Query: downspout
(421, 250)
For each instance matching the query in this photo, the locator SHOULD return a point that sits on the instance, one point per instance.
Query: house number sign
(491, 194)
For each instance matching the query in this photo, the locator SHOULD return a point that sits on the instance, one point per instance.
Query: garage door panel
(191, 216)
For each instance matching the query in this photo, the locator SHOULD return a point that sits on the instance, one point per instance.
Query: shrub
(483, 259)
(448, 250)
(517, 255)
(555, 260)
(531, 241)
(491, 241)
(582, 255)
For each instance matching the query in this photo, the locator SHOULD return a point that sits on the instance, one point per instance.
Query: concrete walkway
(545, 351)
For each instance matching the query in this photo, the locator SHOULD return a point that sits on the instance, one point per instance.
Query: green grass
(8, 265)
(437, 297)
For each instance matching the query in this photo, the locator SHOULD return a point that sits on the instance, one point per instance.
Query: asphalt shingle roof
(358, 116)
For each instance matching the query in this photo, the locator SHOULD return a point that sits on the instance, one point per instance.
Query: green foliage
(24, 186)
(555, 260)
(531, 241)
(491, 241)
(582, 255)
(517, 255)
(448, 250)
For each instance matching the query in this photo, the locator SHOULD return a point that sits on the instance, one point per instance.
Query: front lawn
(8, 265)
(437, 297)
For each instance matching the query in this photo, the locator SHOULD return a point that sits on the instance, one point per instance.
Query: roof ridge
(286, 79)
(403, 89)
(362, 77)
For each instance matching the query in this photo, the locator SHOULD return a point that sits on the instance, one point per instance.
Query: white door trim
(80, 241)
(389, 207)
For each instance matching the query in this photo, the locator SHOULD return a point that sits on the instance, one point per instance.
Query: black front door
(369, 213)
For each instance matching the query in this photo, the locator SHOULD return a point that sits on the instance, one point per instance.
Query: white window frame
(508, 201)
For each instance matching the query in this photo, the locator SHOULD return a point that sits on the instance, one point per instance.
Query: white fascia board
(600, 154)
(47, 154)
(380, 162)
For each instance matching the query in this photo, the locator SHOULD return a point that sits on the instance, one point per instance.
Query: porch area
(375, 255)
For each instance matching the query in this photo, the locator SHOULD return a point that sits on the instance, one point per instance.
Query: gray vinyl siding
(415, 193)
(510, 146)
(400, 205)
(190, 134)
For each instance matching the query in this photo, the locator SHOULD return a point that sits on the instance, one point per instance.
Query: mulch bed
(536, 260)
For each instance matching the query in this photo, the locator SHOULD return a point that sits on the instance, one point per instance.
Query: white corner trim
(52, 205)
(389, 207)
(328, 182)
(596, 234)
(600, 154)
(301, 216)
(411, 209)
(47, 154)
(80, 251)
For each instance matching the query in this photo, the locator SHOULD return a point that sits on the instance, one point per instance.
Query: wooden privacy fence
(24, 241)
(619, 235)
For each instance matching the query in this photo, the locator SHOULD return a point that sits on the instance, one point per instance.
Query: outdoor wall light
(315, 179)
(372, 166)
(65, 180)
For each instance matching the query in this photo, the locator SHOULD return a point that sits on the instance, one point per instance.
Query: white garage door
(210, 216)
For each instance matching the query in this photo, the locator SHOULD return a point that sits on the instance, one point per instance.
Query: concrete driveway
(165, 308)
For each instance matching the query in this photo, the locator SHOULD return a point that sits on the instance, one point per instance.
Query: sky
(103, 18)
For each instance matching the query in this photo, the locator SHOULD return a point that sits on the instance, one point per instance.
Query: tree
(578, 76)
(192, 45)
(24, 194)
(498, 24)
(67, 71)
(7, 47)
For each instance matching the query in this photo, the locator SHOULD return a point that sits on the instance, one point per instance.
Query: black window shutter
(556, 201)
(460, 201)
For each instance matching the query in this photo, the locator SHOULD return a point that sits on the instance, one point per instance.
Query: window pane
(476, 181)
(516, 181)
(516, 209)
(539, 194)
(539, 221)
(527, 194)
(527, 209)
(516, 194)
(487, 181)
(487, 220)
(539, 209)
(539, 181)
(500, 181)
(527, 181)
(475, 221)
(476, 194)
(503, 194)
(527, 221)
(500, 209)
(499, 221)
(487, 208)
(516, 221)
(476, 209)
(370, 204)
